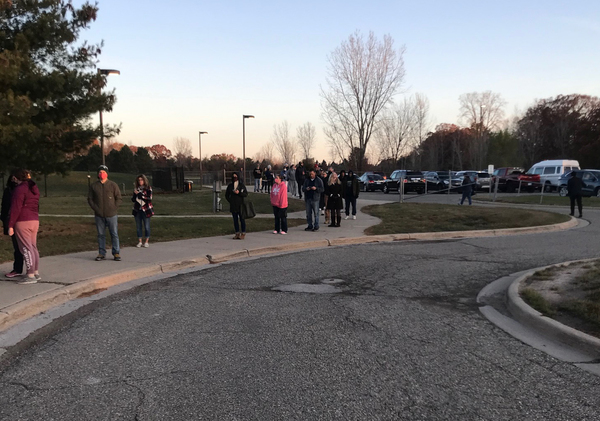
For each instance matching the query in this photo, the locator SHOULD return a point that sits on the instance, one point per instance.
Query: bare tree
(305, 136)
(422, 126)
(395, 131)
(364, 74)
(183, 150)
(283, 143)
(265, 153)
(482, 111)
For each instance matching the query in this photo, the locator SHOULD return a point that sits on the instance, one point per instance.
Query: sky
(196, 65)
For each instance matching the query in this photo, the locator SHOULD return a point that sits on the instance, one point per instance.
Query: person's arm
(91, 202)
(16, 204)
(320, 186)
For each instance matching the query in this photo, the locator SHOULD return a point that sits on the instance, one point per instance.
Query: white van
(551, 170)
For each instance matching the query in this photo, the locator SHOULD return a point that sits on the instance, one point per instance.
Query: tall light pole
(244, 117)
(104, 72)
(200, 153)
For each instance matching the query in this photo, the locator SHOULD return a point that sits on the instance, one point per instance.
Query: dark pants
(466, 194)
(573, 199)
(236, 224)
(300, 183)
(280, 219)
(350, 200)
(18, 264)
(336, 216)
(269, 185)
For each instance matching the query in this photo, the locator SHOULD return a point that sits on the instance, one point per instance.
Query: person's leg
(243, 225)
(462, 199)
(339, 217)
(35, 254)
(572, 199)
(23, 234)
(277, 221)
(579, 206)
(138, 225)
(299, 190)
(147, 227)
(309, 220)
(469, 197)
(113, 229)
(347, 200)
(353, 206)
(316, 213)
(18, 256)
(236, 224)
(101, 228)
(283, 214)
(333, 218)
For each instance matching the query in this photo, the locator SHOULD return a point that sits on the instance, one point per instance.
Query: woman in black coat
(4, 216)
(335, 191)
(235, 193)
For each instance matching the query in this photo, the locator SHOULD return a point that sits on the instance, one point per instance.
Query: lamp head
(248, 116)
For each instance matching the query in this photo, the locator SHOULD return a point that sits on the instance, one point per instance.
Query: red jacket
(25, 203)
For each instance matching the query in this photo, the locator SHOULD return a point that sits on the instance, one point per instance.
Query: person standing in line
(467, 190)
(300, 177)
(312, 187)
(24, 223)
(351, 190)
(335, 202)
(574, 189)
(235, 193)
(11, 185)
(323, 199)
(142, 208)
(292, 187)
(104, 197)
(269, 175)
(257, 177)
(279, 201)
(263, 181)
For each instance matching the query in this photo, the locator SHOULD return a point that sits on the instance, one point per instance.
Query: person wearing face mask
(4, 216)
(104, 197)
(235, 193)
(279, 201)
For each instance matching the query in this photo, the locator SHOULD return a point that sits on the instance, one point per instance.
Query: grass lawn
(424, 217)
(71, 235)
(548, 200)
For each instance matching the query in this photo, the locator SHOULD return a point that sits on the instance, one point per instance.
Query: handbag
(248, 210)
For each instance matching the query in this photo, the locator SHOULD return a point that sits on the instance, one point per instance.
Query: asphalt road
(399, 337)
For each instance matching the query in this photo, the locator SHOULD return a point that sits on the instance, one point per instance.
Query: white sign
(491, 169)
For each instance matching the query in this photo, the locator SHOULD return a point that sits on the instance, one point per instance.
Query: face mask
(102, 176)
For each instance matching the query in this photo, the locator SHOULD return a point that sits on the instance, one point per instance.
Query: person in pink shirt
(279, 200)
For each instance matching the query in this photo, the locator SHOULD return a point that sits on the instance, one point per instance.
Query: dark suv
(591, 182)
(411, 180)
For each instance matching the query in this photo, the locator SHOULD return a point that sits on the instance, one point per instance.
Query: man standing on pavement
(351, 189)
(257, 177)
(574, 188)
(312, 187)
(300, 178)
(292, 187)
(104, 198)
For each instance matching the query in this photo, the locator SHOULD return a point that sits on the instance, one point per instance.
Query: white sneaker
(353, 216)
(283, 233)
(139, 244)
(146, 244)
(347, 216)
(28, 280)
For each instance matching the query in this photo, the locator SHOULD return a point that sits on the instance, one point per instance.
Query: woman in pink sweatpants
(24, 223)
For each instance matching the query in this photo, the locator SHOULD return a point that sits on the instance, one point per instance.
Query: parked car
(411, 181)
(472, 175)
(510, 179)
(484, 181)
(440, 180)
(590, 178)
(381, 173)
(551, 170)
(370, 182)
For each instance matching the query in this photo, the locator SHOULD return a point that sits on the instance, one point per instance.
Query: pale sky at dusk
(195, 65)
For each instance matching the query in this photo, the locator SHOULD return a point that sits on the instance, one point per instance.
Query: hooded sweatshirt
(279, 195)
(25, 203)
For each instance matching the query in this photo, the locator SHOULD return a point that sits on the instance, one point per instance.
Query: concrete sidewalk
(68, 276)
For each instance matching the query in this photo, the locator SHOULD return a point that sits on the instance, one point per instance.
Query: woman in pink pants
(24, 223)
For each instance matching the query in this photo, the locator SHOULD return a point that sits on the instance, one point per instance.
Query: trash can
(217, 205)
(187, 186)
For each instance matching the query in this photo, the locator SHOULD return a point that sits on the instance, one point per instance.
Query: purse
(248, 210)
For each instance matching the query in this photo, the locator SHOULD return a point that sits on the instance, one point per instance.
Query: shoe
(242, 236)
(146, 244)
(100, 257)
(337, 225)
(308, 229)
(37, 277)
(117, 257)
(572, 214)
(322, 213)
(580, 216)
(347, 216)
(237, 236)
(12, 274)
(316, 229)
(353, 216)
(139, 244)
(30, 279)
(275, 232)
(331, 225)
(283, 233)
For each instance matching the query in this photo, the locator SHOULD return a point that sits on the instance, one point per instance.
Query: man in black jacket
(351, 189)
(574, 187)
(300, 177)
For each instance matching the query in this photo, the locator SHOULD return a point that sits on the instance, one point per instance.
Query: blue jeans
(141, 218)
(256, 184)
(466, 194)
(236, 225)
(312, 208)
(112, 224)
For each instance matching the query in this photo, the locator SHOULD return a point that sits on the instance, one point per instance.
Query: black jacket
(335, 192)
(574, 186)
(236, 200)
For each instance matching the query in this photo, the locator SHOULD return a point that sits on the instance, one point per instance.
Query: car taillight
(370, 181)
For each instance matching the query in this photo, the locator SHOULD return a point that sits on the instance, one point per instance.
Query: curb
(525, 314)
(18, 312)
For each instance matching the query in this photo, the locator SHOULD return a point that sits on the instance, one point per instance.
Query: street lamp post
(200, 153)
(244, 117)
(104, 72)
